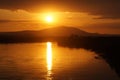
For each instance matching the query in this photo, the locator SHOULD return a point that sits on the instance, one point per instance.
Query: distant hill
(50, 32)
(53, 32)
(66, 34)
(64, 31)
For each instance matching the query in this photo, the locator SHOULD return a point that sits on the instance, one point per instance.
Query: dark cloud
(103, 28)
(6, 21)
(104, 8)
(115, 25)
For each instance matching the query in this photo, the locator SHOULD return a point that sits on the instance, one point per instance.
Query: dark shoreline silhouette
(51, 34)
(106, 46)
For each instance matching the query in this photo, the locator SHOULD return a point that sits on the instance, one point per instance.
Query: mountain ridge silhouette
(55, 31)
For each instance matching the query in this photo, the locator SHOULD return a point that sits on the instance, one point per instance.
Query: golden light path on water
(49, 59)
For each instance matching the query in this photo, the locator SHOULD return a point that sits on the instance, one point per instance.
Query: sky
(96, 16)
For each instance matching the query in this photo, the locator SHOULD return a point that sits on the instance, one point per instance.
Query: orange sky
(35, 21)
(92, 16)
(25, 20)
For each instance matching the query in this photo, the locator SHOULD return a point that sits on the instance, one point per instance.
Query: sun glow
(49, 18)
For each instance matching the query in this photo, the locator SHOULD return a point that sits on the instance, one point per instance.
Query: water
(48, 61)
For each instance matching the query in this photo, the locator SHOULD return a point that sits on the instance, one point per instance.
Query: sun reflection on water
(49, 60)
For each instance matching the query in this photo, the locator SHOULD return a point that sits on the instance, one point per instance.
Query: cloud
(105, 25)
(104, 8)
(103, 28)
(6, 21)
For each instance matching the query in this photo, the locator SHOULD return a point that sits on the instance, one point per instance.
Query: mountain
(50, 32)
(64, 32)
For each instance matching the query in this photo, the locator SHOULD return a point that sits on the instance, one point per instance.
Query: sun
(49, 18)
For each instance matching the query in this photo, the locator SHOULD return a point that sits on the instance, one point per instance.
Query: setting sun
(49, 18)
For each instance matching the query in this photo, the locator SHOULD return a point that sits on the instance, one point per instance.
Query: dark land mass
(106, 46)
(51, 34)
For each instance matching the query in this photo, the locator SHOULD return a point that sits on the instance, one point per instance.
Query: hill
(64, 32)
(50, 32)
